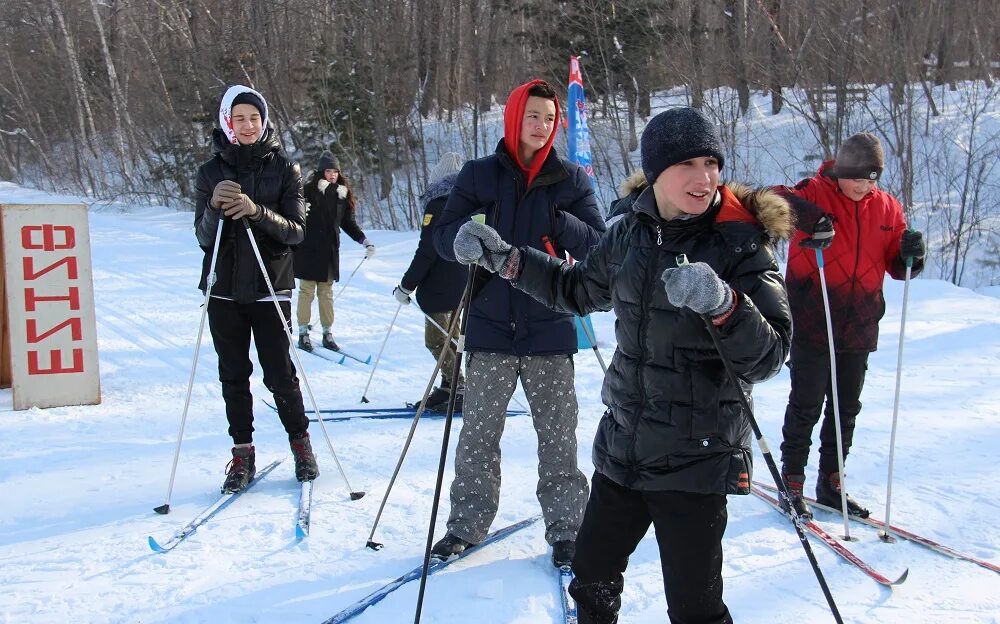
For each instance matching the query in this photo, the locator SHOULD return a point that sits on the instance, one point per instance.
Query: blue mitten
(697, 287)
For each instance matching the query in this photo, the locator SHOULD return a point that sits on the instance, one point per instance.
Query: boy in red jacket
(871, 240)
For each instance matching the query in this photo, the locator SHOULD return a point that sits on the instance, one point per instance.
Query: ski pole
(765, 450)
(409, 437)
(364, 394)
(836, 397)
(349, 278)
(456, 370)
(287, 324)
(886, 533)
(209, 282)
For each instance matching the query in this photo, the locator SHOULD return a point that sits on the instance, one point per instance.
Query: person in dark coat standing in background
(437, 281)
(871, 240)
(674, 440)
(330, 207)
(252, 187)
(528, 194)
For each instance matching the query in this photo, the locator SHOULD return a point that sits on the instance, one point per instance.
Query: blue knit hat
(674, 136)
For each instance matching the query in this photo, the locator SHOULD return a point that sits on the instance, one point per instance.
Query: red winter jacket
(864, 249)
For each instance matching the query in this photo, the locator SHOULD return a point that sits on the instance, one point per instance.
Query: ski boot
(240, 470)
(795, 484)
(828, 493)
(305, 343)
(449, 546)
(563, 552)
(306, 468)
(329, 342)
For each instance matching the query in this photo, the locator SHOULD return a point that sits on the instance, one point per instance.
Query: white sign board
(50, 305)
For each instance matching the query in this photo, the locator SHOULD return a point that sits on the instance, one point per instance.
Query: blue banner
(578, 134)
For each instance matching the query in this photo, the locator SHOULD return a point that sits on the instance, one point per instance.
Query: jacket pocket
(706, 388)
(740, 472)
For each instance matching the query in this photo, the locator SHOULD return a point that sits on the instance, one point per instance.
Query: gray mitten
(696, 286)
(476, 242)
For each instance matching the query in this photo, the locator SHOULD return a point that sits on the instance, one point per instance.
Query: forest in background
(115, 99)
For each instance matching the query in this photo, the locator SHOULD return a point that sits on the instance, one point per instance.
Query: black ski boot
(437, 400)
(240, 470)
(828, 493)
(795, 484)
(563, 552)
(306, 468)
(449, 546)
(329, 342)
(305, 343)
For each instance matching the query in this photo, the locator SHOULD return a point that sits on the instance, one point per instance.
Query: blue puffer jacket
(559, 204)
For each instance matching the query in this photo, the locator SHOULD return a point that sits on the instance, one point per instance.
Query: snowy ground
(78, 484)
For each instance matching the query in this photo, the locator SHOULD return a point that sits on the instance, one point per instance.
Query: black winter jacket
(438, 282)
(674, 421)
(272, 182)
(318, 257)
(559, 203)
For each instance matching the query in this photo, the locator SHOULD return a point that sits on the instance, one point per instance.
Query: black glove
(912, 245)
(822, 234)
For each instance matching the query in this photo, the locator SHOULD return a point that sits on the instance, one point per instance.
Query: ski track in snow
(78, 484)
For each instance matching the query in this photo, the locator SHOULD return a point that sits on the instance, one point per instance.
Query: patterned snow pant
(490, 379)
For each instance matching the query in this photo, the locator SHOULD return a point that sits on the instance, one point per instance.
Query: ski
(435, 565)
(832, 543)
(899, 531)
(568, 604)
(305, 510)
(331, 356)
(378, 413)
(224, 501)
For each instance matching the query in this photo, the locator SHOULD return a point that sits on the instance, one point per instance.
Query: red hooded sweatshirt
(513, 115)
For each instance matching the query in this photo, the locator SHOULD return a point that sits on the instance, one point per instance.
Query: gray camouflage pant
(562, 491)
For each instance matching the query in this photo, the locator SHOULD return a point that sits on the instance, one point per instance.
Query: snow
(78, 484)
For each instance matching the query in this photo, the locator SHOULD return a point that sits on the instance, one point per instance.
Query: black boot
(449, 546)
(329, 342)
(240, 470)
(563, 552)
(597, 603)
(795, 484)
(437, 400)
(305, 343)
(828, 493)
(306, 468)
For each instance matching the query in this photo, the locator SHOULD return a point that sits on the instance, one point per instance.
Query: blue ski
(568, 604)
(305, 510)
(435, 565)
(224, 501)
(351, 413)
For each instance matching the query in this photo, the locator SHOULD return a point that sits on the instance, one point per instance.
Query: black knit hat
(249, 98)
(674, 136)
(860, 157)
(327, 161)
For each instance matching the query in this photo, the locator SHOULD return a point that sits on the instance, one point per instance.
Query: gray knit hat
(674, 136)
(450, 162)
(860, 157)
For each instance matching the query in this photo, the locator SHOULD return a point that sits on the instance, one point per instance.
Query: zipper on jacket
(643, 318)
(659, 236)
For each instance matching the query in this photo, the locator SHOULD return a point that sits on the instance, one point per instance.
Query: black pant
(810, 374)
(232, 324)
(689, 529)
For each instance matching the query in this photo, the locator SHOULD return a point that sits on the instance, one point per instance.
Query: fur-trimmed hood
(765, 206)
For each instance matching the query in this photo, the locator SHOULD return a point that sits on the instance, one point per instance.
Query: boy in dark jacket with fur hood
(251, 187)
(674, 440)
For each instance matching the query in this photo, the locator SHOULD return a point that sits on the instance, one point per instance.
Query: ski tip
(369, 360)
(357, 495)
(300, 532)
(343, 359)
(376, 546)
(163, 509)
(154, 546)
(902, 577)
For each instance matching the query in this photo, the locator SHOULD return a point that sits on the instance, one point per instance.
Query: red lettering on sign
(55, 363)
(75, 325)
(44, 237)
(31, 274)
(30, 298)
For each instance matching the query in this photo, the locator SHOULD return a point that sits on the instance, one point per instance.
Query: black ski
(223, 501)
(435, 565)
(833, 544)
(899, 531)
